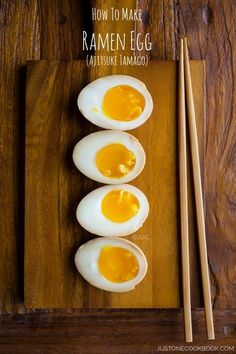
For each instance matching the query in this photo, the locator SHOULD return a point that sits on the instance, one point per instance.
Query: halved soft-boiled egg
(109, 156)
(111, 264)
(116, 102)
(113, 210)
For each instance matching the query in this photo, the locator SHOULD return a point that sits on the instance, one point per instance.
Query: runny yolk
(119, 205)
(123, 103)
(117, 264)
(115, 160)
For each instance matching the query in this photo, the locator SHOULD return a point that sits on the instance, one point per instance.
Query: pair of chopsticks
(185, 90)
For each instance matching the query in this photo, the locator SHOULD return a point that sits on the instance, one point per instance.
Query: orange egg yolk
(117, 264)
(123, 103)
(115, 160)
(120, 205)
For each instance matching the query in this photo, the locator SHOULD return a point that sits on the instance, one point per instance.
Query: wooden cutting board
(54, 187)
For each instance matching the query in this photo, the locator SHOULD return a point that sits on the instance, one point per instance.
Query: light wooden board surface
(53, 186)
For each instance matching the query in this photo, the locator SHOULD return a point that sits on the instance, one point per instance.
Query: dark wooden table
(43, 29)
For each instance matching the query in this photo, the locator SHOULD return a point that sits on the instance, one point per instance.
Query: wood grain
(99, 332)
(53, 187)
(211, 36)
(14, 52)
(24, 35)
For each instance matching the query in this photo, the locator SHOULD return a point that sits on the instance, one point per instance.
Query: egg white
(90, 101)
(86, 261)
(89, 213)
(85, 151)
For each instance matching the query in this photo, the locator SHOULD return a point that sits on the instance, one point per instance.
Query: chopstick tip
(211, 336)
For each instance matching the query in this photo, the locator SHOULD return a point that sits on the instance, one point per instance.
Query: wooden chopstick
(184, 200)
(198, 196)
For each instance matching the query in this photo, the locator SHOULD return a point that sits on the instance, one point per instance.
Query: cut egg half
(111, 264)
(109, 156)
(113, 210)
(116, 102)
